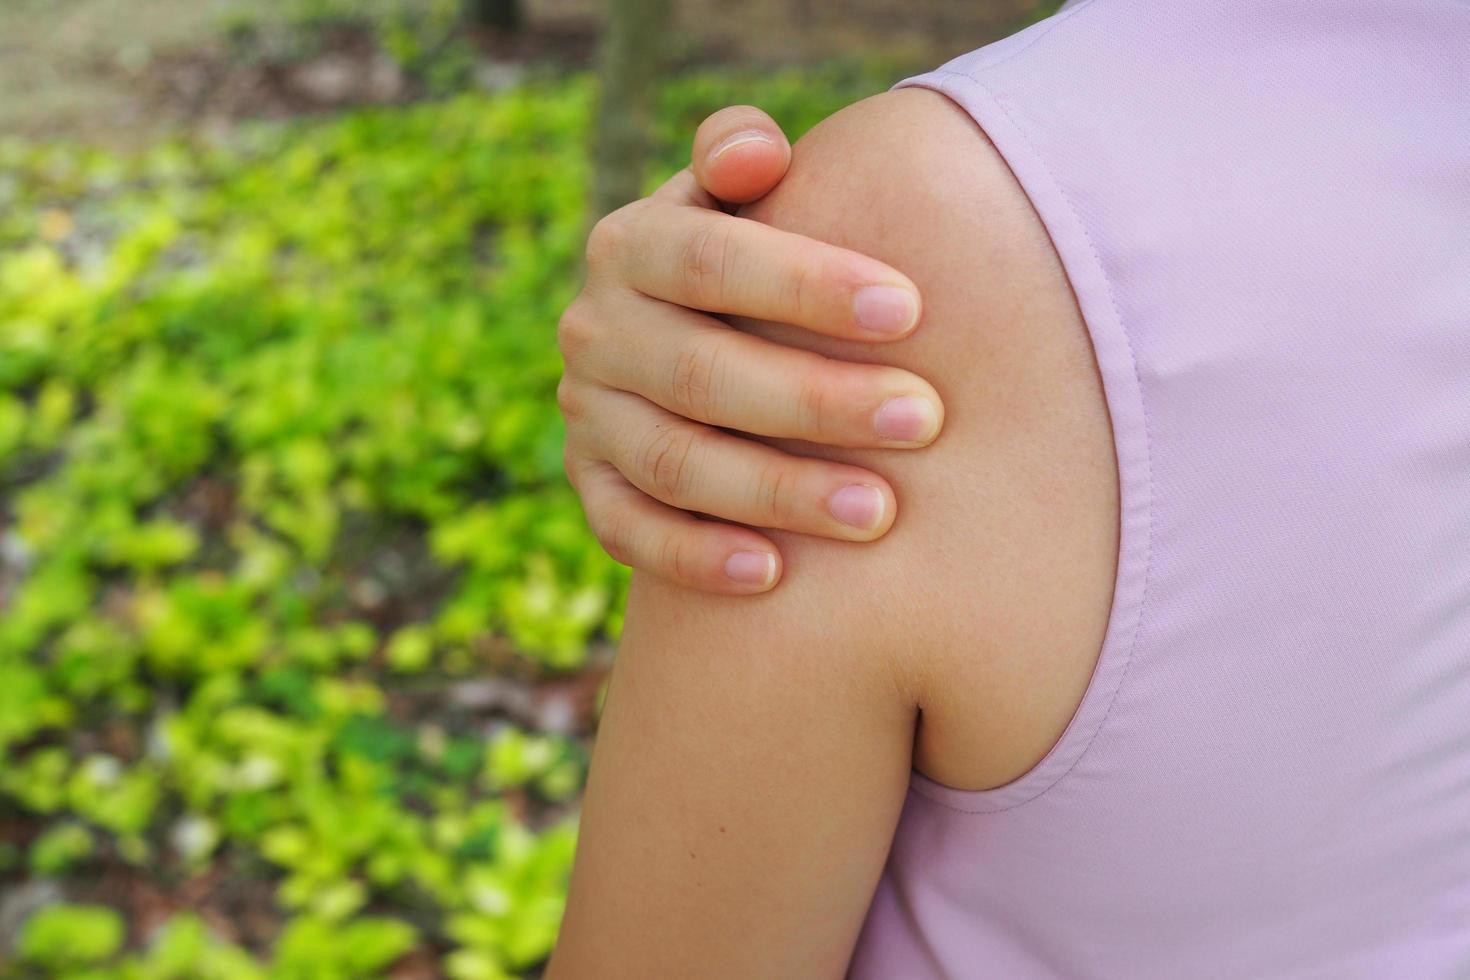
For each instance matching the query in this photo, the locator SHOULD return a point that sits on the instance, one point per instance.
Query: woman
(1174, 628)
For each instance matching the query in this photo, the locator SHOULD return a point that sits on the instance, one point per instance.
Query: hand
(651, 383)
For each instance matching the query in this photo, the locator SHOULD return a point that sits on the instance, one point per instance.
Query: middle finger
(698, 367)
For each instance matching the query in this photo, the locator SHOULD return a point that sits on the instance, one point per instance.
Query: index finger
(719, 263)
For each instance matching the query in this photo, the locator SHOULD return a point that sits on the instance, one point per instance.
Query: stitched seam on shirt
(1148, 461)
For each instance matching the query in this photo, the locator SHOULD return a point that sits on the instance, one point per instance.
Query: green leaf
(61, 936)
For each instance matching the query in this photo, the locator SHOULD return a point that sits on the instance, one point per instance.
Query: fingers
(678, 246)
(709, 260)
(650, 381)
(740, 154)
(698, 367)
(698, 468)
(639, 531)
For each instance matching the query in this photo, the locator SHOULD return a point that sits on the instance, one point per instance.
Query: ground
(123, 70)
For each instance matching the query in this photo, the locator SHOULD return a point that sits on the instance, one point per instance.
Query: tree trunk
(503, 15)
(632, 59)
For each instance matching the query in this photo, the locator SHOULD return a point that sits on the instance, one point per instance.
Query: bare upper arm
(754, 754)
(999, 568)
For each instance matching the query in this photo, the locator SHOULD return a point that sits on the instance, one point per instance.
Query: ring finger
(695, 467)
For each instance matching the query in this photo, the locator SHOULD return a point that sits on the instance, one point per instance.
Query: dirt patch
(208, 87)
(202, 86)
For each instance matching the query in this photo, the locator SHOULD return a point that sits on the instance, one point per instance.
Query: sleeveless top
(1264, 212)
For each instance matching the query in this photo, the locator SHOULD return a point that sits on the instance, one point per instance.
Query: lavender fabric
(1264, 210)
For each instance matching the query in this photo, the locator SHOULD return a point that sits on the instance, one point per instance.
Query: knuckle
(705, 261)
(796, 289)
(676, 558)
(607, 238)
(574, 330)
(666, 462)
(568, 400)
(814, 398)
(698, 377)
(614, 536)
(776, 486)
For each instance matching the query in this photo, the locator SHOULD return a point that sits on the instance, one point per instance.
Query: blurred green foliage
(280, 467)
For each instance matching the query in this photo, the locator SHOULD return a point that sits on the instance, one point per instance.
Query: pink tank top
(1264, 211)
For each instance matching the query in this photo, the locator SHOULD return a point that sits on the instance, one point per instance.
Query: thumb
(740, 154)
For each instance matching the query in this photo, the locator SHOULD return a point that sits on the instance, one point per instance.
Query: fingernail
(857, 505)
(738, 139)
(751, 568)
(886, 310)
(907, 418)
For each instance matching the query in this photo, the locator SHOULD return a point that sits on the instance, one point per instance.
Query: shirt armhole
(1117, 364)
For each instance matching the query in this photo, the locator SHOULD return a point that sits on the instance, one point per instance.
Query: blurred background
(302, 635)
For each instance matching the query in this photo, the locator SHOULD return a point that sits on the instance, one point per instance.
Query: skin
(647, 374)
(754, 752)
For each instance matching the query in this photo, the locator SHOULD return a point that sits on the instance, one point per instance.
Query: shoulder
(909, 178)
(908, 162)
(992, 591)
